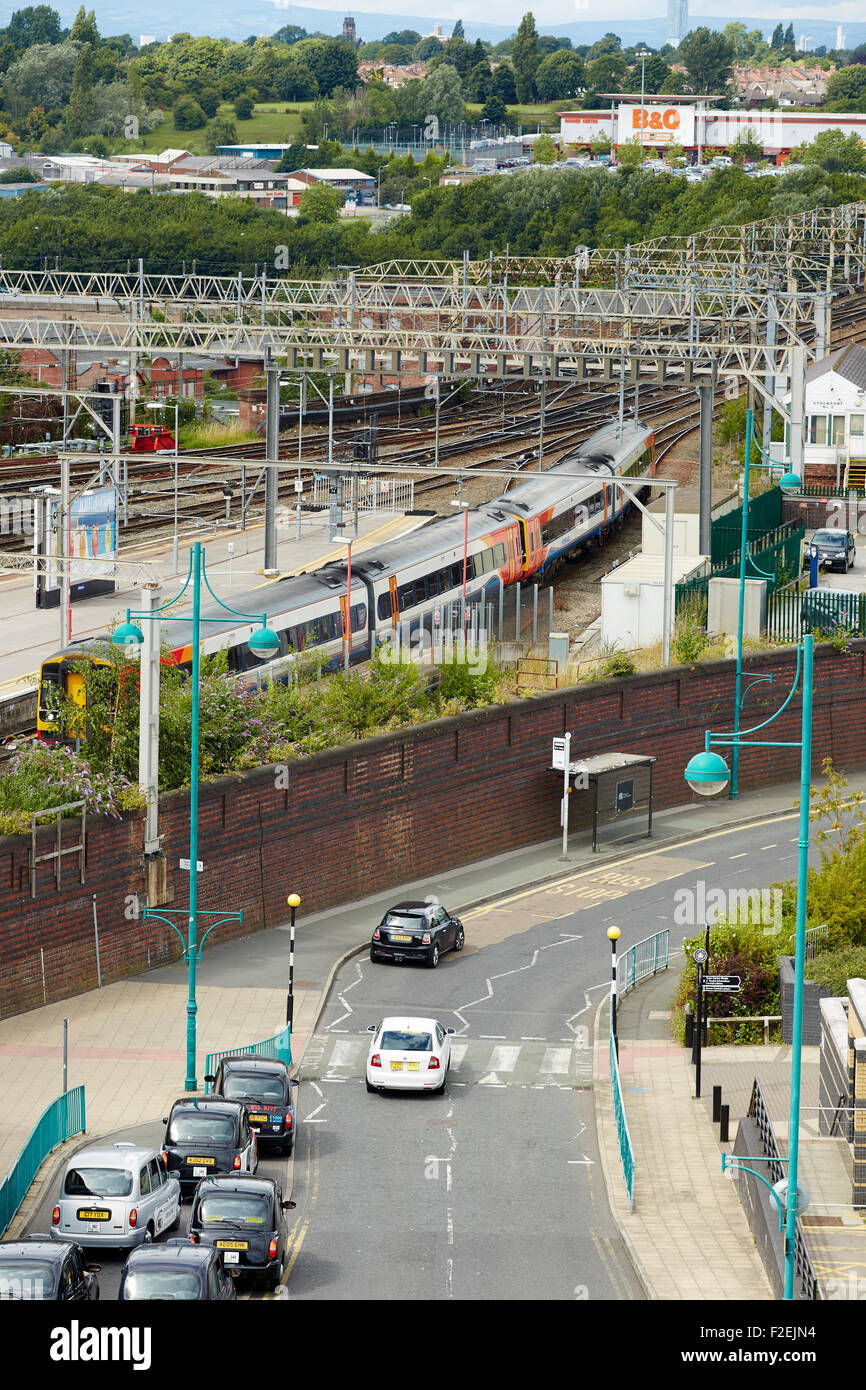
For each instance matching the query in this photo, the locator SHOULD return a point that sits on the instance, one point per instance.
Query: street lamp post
(263, 642)
(789, 481)
(613, 937)
(707, 773)
(643, 55)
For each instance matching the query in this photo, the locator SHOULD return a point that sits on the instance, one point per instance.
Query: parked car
(245, 1219)
(417, 931)
(37, 1267)
(836, 548)
(264, 1085)
(116, 1196)
(175, 1270)
(409, 1054)
(832, 610)
(206, 1135)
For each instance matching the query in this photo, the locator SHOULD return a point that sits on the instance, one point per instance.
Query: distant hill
(223, 20)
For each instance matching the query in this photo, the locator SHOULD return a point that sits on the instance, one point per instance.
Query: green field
(279, 122)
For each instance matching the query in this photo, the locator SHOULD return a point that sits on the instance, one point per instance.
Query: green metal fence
(765, 514)
(63, 1118)
(641, 961)
(626, 1152)
(827, 612)
(279, 1046)
(779, 558)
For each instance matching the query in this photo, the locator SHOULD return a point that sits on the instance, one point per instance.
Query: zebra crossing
(474, 1061)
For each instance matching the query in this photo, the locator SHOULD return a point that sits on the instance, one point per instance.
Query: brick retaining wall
(390, 809)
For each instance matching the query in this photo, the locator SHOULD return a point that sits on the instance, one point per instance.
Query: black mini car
(175, 1270)
(37, 1267)
(244, 1218)
(206, 1135)
(263, 1084)
(835, 547)
(417, 931)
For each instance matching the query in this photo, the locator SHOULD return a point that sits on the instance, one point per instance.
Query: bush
(188, 115)
(40, 777)
(745, 950)
(617, 663)
(833, 969)
(690, 636)
(244, 107)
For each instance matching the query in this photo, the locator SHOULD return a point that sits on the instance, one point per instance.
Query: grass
(213, 435)
(271, 122)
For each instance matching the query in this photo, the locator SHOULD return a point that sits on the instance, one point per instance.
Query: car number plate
(413, 1066)
(400, 938)
(396, 1066)
(258, 1119)
(232, 1246)
(202, 1162)
(93, 1214)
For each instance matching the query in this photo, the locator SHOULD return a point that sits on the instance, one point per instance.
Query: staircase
(857, 473)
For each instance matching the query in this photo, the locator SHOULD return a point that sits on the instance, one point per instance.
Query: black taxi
(206, 1135)
(175, 1270)
(262, 1084)
(245, 1219)
(37, 1267)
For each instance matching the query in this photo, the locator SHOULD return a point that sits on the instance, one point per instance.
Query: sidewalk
(688, 1236)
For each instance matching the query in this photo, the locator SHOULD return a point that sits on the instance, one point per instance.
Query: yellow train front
(63, 690)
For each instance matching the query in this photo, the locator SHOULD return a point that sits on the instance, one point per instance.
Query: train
(524, 534)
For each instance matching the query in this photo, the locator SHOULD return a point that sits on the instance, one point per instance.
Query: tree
(427, 48)
(606, 74)
(333, 63)
(244, 107)
(79, 112)
(478, 82)
(42, 76)
(846, 89)
(611, 43)
(778, 38)
(84, 28)
(290, 33)
(559, 75)
(708, 59)
(457, 31)
(209, 101)
(524, 58)
(221, 131)
(409, 37)
(493, 110)
(789, 40)
(38, 24)
(442, 95)
(503, 85)
(544, 151)
(655, 73)
(319, 203)
(630, 155)
(188, 115)
(835, 152)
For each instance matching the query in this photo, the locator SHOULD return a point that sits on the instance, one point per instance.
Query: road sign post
(700, 957)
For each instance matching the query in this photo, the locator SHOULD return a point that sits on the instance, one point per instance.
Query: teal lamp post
(707, 773)
(264, 642)
(789, 482)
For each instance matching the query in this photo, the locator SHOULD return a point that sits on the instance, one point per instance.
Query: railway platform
(30, 634)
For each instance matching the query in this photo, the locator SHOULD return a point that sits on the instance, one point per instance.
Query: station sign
(722, 984)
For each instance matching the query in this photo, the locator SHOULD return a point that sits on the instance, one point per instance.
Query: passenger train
(523, 534)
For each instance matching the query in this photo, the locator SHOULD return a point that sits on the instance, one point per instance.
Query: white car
(409, 1054)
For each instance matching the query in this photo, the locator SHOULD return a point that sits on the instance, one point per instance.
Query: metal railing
(63, 1118)
(766, 1019)
(814, 936)
(279, 1046)
(641, 961)
(758, 1112)
(626, 1152)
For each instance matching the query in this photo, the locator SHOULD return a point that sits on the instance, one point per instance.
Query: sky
(551, 12)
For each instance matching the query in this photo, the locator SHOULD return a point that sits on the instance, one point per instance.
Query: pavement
(687, 1235)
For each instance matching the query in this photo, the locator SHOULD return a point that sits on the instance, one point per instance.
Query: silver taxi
(117, 1196)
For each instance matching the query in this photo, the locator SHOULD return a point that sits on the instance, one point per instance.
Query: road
(493, 1191)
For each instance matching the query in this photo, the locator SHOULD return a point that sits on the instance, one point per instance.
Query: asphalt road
(494, 1190)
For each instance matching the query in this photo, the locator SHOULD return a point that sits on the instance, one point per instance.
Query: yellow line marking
(296, 1241)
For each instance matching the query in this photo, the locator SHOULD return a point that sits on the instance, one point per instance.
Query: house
(351, 182)
(835, 420)
(158, 378)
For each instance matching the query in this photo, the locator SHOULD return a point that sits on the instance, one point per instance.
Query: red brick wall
(390, 809)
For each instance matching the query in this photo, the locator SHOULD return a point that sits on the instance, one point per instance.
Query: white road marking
(315, 1112)
(345, 1054)
(458, 1052)
(491, 1080)
(556, 1059)
(503, 1058)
